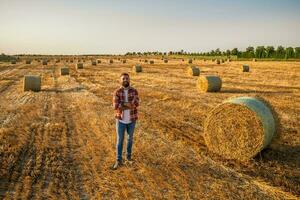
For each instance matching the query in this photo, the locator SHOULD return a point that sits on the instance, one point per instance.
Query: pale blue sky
(119, 26)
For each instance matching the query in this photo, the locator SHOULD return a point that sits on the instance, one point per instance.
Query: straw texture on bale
(137, 68)
(193, 71)
(240, 128)
(151, 62)
(32, 82)
(246, 68)
(64, 71)
(209, 83)
(79, 66)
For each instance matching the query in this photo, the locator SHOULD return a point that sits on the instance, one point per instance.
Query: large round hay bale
(246, 68)
(190, 61)
(111, 61)
(64, 71)
(193, 71)
(79, 66)
(32, 82)
(45, 62)
(218, 62)
(209, 83)
(94, 63)
(137, 68)
(151, 62)
(239, 128)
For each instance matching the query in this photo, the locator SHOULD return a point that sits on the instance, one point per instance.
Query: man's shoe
(117, 164)
(129, 161)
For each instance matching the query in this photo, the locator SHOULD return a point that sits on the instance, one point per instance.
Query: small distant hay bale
(190, 61)
(94, 63)
(32, 82)
(99, 61)
(193, 71)
(228, 60)
(13, 62)
(64, 71)
(137, 68)
(209, 83)
(222, 60)
(146, 60)
(124, 61)
(79, 66)
(218, 62)
(246, 68)
(240, 128)
(111, 61)
(57, 61)
(254, 60)
(71, 61)
(151, 62)
(28, 62)
(166, 61)
(45, 62)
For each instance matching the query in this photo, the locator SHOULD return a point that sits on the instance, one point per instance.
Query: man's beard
(125, 84)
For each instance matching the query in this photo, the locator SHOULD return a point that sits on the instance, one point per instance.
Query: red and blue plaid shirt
(119, 98)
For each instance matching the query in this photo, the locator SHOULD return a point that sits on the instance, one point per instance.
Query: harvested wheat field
(59, 143)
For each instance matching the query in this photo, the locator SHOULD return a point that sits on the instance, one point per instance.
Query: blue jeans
(120, 128)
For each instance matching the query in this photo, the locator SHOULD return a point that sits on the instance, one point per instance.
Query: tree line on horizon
(259, 52)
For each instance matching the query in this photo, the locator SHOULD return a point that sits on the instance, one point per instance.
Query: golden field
(59, 143)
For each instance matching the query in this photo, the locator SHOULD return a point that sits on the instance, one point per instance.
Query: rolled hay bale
(32, 82)
(166, 61)
(146, 60)
(64, 71)
(45, 62)
(240, 128)
(190, 61)
(151, 62)
(182, 60)
(193, 71)
(111, 61)
(222, 60)
(98, 61)
(137, 68)
(254, 60)
(71, 61)
(246, 68)
(218, 62)
(228, 60)
(28, 62)
(94, 63)
(124, 61)
(13, 62)
(209, 83)
(57, 61)
(79, 66)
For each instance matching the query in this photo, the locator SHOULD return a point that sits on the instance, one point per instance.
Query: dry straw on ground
(209, 83)
(32, 82)
(239, 128)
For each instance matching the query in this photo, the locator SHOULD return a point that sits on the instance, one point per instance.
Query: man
(125, 102)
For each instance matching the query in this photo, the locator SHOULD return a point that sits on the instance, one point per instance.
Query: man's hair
(124, 74)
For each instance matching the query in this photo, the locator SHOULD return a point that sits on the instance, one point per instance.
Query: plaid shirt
(119, 98)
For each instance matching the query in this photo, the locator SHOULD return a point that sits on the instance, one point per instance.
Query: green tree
(270, 51)
(289, 53)
(249, 52)
(260, 52)
(280, 52)
(297, 52)
(234, 51)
